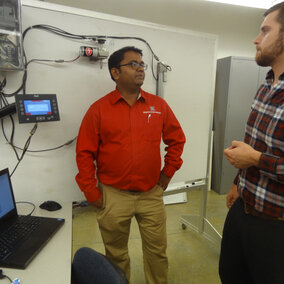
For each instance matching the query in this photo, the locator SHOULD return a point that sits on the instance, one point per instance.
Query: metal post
(161, 70)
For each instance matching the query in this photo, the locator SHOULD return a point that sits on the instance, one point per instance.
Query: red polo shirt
(124, 141)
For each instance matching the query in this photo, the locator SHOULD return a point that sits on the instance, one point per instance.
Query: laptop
(21, 237)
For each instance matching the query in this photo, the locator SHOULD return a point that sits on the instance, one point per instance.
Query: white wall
(189, 91)
(235, 26)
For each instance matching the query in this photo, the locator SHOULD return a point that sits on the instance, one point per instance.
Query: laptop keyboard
(22, 228)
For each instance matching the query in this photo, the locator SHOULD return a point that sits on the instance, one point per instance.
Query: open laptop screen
(6, 195)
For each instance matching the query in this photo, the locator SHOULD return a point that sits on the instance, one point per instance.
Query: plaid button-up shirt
(262, 187)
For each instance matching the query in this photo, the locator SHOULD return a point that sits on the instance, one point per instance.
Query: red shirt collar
(116, 96)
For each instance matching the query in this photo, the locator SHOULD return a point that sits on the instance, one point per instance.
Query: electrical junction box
(11, 43)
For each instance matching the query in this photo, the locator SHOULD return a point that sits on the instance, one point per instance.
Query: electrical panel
(11, 46)
(37, 108)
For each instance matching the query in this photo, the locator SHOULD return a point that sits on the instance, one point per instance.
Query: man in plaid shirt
(253, 238)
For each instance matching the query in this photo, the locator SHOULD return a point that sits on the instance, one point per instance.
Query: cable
(11, 141)
(2, 276)
(50, 149)
(54, 30)
(26, 146)
(3, 97)
(3, 84)
(30, 204)
(63, 33)
(54, 61)
(24, 79)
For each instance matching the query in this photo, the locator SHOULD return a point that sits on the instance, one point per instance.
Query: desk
(53, 263)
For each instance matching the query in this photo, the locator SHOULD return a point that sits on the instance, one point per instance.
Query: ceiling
(190, 14)
(265, 4)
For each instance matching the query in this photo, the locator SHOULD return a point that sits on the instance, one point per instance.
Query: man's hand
(242, 155)
(232, 196)
(164, 181)
(98, 203)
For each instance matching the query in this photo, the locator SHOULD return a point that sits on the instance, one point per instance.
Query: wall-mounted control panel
(37, 108)
(11, 47)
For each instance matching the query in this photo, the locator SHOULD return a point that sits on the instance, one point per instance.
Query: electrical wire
(50, 149)
(63, 33)
(26, 146)
(66, 34)
(26, 202)
(23, 87)
(11, 141)
(53, 61)
(3, 84)
(2, 276)
(24, 79)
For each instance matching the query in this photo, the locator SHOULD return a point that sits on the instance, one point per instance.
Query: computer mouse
(50, 205)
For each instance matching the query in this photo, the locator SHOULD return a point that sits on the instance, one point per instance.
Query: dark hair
(280, 18)
(115, 59)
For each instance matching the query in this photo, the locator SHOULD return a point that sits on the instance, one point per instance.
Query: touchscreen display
(37, 107)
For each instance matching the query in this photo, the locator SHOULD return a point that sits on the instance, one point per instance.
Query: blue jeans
(90, 266)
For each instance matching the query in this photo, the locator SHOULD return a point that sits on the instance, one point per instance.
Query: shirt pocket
(153, 127)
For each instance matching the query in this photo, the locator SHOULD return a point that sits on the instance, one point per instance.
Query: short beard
(267, 58)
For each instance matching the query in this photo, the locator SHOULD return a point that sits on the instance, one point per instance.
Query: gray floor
(192, 258)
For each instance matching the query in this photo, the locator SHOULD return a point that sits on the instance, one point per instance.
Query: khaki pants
(114, 222)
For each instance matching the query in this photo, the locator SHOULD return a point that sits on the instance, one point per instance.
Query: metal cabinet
(237, 81)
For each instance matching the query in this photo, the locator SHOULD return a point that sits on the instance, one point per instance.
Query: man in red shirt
(121, 133)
